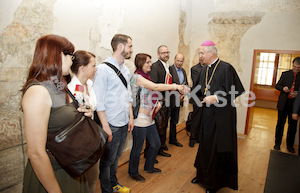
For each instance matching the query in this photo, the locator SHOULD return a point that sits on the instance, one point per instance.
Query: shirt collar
(209, 65)
(166, 65)
(114, 62)
(75, 80)
(177, 69)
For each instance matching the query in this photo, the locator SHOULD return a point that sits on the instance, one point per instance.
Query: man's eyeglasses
(71, 54)
(164, 53)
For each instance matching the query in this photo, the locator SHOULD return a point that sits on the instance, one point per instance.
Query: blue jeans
(139, 134)
(109, 160)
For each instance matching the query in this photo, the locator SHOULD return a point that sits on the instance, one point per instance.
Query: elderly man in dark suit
(288, 85)
(178, 77)
(195, 71)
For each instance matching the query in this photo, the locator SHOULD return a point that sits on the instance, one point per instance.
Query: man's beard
(164, 59)
(126, 55)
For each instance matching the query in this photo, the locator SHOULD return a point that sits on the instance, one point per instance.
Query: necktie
(292, 88)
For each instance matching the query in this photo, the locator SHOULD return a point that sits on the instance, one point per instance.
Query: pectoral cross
(206, 89)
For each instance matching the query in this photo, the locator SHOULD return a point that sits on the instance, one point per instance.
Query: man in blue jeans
(114, 110)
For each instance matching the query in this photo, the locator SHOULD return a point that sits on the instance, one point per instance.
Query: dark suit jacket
(195, 70)
(158, 72)
(175, 79)
(296, 108)
(286, 79)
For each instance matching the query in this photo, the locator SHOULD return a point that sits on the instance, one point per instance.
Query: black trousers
(195, 123)
(292, 124)
(194, 127)
(174, 114)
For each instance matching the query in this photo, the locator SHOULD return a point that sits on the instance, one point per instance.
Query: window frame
(277, 52)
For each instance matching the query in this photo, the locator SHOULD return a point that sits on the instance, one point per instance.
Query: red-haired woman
(46, 106)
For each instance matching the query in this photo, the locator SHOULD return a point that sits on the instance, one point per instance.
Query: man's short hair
(117, 39)
(297, 60)
(161, 47)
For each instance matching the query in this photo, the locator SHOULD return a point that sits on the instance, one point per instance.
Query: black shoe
(138, 178)
(277, 147)
(176, 143)
(208, 190)
(195, 180)
(291, 149)
(154, 171)
(156, 162)
(192, 143)
(162, 153)
(164, 147)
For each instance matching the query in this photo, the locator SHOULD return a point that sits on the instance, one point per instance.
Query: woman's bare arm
(36, 105)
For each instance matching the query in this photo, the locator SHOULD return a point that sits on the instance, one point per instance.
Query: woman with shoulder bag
(81, 86)
(47, 107)
(144, 125)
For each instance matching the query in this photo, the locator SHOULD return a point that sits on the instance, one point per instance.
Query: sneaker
(121, 189)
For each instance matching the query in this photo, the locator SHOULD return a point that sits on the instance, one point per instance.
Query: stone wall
(32, 19)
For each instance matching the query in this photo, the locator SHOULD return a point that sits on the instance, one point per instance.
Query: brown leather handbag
(77, 146)
(161, 119)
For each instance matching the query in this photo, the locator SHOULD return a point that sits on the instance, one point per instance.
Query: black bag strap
(138, 94)
(118, 72)
(73, 98)
(139, 91)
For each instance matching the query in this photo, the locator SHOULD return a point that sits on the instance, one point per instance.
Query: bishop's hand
(210, 99)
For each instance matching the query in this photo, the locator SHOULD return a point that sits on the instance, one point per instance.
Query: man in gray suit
(178, 77)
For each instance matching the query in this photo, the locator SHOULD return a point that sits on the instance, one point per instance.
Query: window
(266, 66)
(270, 65)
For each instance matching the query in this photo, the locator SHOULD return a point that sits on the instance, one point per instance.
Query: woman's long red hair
(47, 60)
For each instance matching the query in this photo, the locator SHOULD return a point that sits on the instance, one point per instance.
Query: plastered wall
(236, 26)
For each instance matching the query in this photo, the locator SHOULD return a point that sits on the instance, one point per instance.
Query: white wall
(90, 26)
(276, 31)
(7, 10)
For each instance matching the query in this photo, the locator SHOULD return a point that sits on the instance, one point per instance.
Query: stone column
(226, 30)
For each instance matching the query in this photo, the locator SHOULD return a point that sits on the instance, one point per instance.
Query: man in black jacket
(160, 74)
(288, 86)
(195, 71)
(178, 77)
